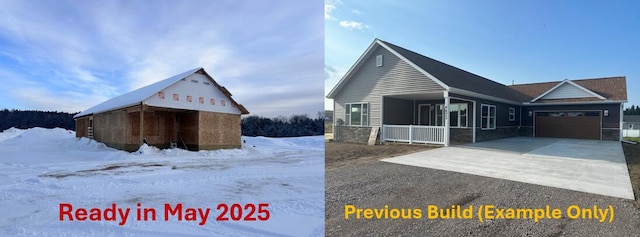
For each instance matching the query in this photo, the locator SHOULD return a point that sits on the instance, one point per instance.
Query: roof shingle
(611, 88)
(456, 77)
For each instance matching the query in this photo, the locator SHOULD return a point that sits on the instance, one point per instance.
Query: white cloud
(327, 10)
(94, 52)
(332, 73)
(329, 6)
(40, 98)
(353, 25)
(356, 11)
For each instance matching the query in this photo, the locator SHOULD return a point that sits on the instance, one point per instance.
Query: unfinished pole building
(189, 110)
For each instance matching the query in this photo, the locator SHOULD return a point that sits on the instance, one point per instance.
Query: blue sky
(520, 41)
(71, 55)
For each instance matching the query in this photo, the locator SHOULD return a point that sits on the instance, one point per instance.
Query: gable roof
(458, 80)
(609, 88)
(447, 76)
(455, 77)
(137, 96)
(568, 85)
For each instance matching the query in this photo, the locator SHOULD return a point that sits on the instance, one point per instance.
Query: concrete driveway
(582, 165)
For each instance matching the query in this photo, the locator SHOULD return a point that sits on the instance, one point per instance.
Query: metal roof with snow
(137, 96)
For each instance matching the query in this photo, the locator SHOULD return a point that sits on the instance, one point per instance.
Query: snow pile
(38, 134)
(10, 133)
(293, 142)
(84, 144)
(41, 168)
(148, 150)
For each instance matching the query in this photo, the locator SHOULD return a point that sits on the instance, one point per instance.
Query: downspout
(520, 118)
(520, 122)
(621, 121)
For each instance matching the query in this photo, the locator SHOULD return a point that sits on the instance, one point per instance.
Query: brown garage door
(568, 124)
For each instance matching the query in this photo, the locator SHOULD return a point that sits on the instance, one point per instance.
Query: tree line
(35, 118)
(294, 126)
(633, 110)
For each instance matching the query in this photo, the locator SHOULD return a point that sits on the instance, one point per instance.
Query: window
(592, 113)
(201, 100)
(189, 98)
(161, 95)
(194, 81)
(439, 119)
(176, 97)
(512, 114)
(457, 115)
(488, 116)
(453, 115)
(379, 61)
(462, 109)
(212, 101)
(357, 114)
(223, 103)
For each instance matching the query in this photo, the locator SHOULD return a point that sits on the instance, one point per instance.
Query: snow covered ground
(41, 168)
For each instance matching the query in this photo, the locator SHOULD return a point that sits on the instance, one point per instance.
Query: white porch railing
(413, 134)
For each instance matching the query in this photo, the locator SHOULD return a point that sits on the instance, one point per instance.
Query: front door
(424, 115)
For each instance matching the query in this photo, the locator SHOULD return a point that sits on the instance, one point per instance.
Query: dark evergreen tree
(294, 126)
(32, 118)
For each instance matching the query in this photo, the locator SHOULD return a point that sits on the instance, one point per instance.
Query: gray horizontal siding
(369, 83)
(567, 91)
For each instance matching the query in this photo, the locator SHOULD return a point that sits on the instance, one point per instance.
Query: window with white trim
(488, 115)
(512, 114)
(439, 111)
(357, 114)
(457, 115)
(379, 61)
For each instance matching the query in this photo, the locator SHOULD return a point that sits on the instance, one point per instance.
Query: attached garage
(568, 124)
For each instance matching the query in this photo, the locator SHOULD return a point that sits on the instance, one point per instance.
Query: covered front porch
(427, 118)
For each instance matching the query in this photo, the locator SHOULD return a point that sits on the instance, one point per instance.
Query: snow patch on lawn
(41, 168)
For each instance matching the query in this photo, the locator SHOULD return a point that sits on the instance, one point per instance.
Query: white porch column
(445, 115)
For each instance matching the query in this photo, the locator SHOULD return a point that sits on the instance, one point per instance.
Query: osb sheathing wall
(112, 128)
(81, 127)
(219, 130)
(187, 124)
(197, 130)
(158, 127)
